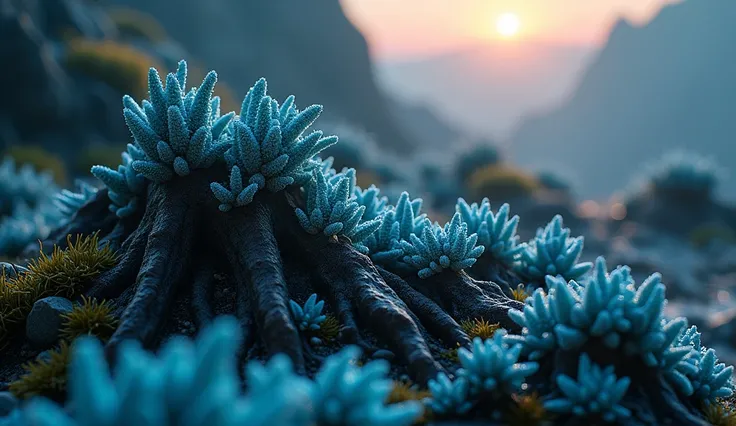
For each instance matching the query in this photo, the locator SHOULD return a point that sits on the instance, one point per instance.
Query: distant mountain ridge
(486, 88)
(669, 84)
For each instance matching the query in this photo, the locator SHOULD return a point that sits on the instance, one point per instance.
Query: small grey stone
(44, 322)
(383, 354)
(11, 270)
(8, 403)
(315, 341)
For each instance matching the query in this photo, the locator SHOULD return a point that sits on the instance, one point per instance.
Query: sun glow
(507, 25)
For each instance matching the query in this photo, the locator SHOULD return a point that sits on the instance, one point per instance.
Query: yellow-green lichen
(479, 327)
(89, 318)
(44, 377)
(328, 329)
(526, 410)
(520, 293)
(65, 273)
(403, 391)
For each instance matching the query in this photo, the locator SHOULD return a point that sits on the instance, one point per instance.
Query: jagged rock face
(666, 85)
(42, 103)
(309, 49)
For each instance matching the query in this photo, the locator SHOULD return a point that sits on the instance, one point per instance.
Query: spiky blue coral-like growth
(27, 225)
(189, 384)
(489, 368)
(440, 248)
(397, 223)
(178, 131)
(492, 365)
(449, 396)
(346, 394)
(332, 208)
(268, 149)
(69, 202)
(496, 232)
(609, 307)
(309, 316)
(553, 252)
(23, 185)
(597, 392)
(709, 378)
(125, 185)
(375, 205)
(276, 396)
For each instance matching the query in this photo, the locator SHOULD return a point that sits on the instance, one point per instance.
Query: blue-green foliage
(23, 186)
(69, 202)
(196, 383)
(27, 225)
(496, 232)
(267, 147)
(553, 181)
(177, 130)
(685, 171)
(597, 392)
(553, 252)
(333, 209)
(350, 395)
(397, 223)
(709, 378)
(309, 316)
(490, 368)
(124, 185)
(375, 205)
(609, 307)
(439, 248)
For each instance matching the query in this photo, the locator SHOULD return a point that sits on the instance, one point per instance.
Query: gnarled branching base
(175, 243)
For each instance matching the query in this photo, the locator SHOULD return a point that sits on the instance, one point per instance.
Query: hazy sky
(400, 28)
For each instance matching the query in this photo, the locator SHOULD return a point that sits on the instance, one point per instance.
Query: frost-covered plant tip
(333, 209)
(125, 185)
(552, 252)
(596, 392)
(440, 248)
(685, 171)
(397, 224)
(69, 202)
(309, 316)
(710, 379)
(496, 231)
(490, 370)
(196, 383)
(346, 394)
(267, 149)
(23, 185)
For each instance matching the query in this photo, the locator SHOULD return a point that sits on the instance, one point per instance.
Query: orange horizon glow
(406, 28)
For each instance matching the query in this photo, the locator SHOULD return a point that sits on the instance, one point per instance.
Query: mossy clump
(704, 235)
(65, 273)
(479, 327)
(520, 293)
(404, 391)
(121, 66)
(502, 183)
(328, 329)
(134, 24)
(41, 159)
(483, 155)
(720, 413)
(46, 376)
(526, 410)
(89, 318)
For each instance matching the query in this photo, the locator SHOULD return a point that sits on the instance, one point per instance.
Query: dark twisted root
(164, 265)
(355, 285)
(202, 284)
(436, 320)
(254, 256)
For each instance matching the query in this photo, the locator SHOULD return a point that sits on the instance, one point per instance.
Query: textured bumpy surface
(246, 197)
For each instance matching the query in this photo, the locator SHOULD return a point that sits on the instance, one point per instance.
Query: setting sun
(507, 25)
